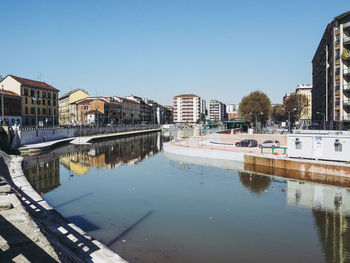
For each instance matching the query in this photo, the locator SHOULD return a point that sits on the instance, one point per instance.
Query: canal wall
(260, 138)
(68, 240)
(31, 136)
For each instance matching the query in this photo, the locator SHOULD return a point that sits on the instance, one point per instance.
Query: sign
(318, 147)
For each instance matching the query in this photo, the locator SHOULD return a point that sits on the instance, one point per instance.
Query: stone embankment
(32, 231)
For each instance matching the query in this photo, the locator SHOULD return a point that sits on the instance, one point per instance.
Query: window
(32, 100)
(25, 92)
(32, 92)
(49, 95)
(54, 103)
(26, 110)
(44, 94)
(44, 111)
(49, 111)
(48, 102)
(54, 95)
(26, 100)
(32, 110)
(38, 111)
(43, 101)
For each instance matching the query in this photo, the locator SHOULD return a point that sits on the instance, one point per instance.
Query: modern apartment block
(306, 91)
(217, 111)
(331, 75)
(188, 108)
(39, 99)
(232, 111)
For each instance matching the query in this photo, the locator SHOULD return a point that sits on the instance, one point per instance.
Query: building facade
(67, 107)
(187, 108)
(306, 113)
(217, 111)
(331, 75)
(12, 108)
(232, 111)
(39, 100)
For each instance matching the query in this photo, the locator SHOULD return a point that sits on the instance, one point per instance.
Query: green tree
(277, 113)
(255, 104)
(299, 102)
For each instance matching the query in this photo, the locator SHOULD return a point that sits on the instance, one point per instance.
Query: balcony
(347, 71)
(346, 25)
(346, 54)
(346, 40)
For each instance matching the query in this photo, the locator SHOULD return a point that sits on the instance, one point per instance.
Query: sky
(158, 49)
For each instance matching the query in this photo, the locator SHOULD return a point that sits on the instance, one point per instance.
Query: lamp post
(256, 118)
(289, 117)
(36, 99)
(324, 119)
(2, 105)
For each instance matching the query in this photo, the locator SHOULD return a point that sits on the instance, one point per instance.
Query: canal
(152, 207)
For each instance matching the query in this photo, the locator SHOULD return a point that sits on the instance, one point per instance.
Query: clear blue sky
(158, 49)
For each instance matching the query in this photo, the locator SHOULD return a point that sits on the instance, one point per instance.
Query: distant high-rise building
(188, 108)
(331, 75)
(217, 111)
(306, 113)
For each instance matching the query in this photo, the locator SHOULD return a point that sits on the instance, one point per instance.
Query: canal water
(153, 207)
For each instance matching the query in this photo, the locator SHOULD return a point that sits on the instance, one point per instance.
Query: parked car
(270, 143)
(247, 143)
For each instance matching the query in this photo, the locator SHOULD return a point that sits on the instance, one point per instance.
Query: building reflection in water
(109, 154)
(331, 210)
(44, 175)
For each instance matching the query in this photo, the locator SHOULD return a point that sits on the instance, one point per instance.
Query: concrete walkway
(43, 146)
(88, 139)
(71, 242)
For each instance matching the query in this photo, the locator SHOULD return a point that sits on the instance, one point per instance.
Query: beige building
(131, 111)
(68, 112)
(306, 114)
(187, 108)
(38, 99)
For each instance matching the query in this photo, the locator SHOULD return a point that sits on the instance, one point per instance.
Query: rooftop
(185, 95)
(33, 83)
(72, 91)
(11, 93)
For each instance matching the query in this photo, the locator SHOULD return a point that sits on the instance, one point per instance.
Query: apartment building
(217, 111)
(188, 108)
(331, 75)
(306, 113)
(39, 99)
(232, 111)
(68, 112)
(12, 108)
(130, 110)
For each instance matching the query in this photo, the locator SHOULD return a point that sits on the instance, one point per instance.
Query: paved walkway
(38, 147)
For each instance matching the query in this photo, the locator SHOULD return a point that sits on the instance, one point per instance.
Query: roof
(342, 15)
(34, 83)
(72, 91)
(11, 93)
(185, 95)
(88, 100)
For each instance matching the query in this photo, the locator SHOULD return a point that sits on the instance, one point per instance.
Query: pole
(288, 121)
(36, 114)
(2, 105)
(256, 122)
(324, 122)
(53, 120)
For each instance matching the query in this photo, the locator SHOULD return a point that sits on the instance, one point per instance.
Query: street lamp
(36, 99)
(2, 105)
(324, 119)
(289, 117)
(256, 118)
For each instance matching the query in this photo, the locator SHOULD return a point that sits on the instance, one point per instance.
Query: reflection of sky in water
(205, 214)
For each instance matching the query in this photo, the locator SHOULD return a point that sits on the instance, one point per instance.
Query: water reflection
(43, 172)
(256, 183)
(44, 176)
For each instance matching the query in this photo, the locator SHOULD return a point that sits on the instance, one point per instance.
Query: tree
(277, 113)
(298, 102)
(253, 105)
